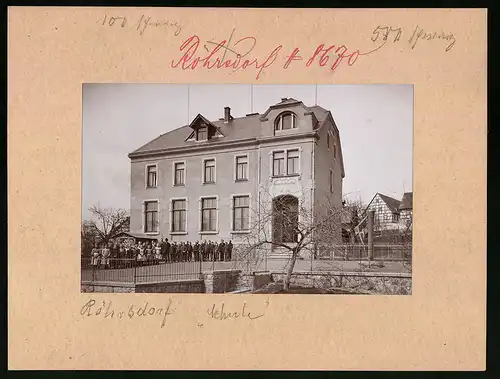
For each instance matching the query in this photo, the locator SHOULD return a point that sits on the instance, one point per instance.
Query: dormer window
(201, 133)
(203, 130)
(285, 121)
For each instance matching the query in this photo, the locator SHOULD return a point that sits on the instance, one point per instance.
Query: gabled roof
(392, 203)
(406, 202)
(198, 121)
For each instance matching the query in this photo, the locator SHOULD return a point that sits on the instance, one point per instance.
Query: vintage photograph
(239, 188)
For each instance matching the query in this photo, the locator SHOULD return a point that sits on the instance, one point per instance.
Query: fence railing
(388, 252)
(131, 270)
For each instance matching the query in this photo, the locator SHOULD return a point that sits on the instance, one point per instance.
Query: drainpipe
(313, 166)
(259, 181)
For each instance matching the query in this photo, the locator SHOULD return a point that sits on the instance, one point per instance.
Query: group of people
(162, 251)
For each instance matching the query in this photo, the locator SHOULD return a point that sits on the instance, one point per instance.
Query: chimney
(227, 114)
(283, 99)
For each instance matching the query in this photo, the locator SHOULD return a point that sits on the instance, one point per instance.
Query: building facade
(210, 179)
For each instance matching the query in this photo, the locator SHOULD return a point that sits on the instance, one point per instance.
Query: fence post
(201, 267)
(265, 256)
(135, 271)
(371, 216)
(312, 253)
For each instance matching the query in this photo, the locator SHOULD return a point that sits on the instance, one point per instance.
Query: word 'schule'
(222, 313)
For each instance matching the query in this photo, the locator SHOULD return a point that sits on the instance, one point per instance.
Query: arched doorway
(285, 219)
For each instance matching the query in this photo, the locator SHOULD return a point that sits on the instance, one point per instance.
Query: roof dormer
(285, 120)
(203, 130)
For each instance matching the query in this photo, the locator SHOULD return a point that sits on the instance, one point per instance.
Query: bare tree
(108, 223)
(352, 214)
(294, 225)
(89, 237)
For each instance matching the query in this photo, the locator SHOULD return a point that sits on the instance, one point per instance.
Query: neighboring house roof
(239, 128)
(406, 202)
(392, 203)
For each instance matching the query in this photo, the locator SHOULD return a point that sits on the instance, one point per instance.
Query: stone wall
(260, 279)
(180, 286)
(107, 287)
(221, 281)
(225, 281)
(375, 283)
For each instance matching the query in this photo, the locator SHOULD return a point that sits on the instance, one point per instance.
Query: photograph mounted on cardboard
(278, 189)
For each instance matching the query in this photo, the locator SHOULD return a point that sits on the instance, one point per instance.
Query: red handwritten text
(227, 55)
(190, 59)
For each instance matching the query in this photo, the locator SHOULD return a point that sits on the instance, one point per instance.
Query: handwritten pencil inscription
(141, 24)
(388, 33)
(221, 312)
(106, 310)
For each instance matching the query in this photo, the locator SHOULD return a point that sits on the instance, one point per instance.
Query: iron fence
(386, 252)
(131, 270)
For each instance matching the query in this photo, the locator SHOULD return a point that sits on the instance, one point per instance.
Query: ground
(277, 288)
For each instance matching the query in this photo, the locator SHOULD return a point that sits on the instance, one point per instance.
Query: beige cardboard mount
(441, 326)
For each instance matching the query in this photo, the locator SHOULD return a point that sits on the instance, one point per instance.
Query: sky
(375, 122)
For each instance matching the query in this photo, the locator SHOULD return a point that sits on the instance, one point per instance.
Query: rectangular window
(241, 213)
(201, 134)
(208, 214)
(292, 162)
(241, 168)
(328, 140)
(151, 216)
(179, 174)
(209, 171)
(331, 181)
(395, 218)
(287, 121)
(178, 215)
(334, 150)
(151, 176)
(279, 163)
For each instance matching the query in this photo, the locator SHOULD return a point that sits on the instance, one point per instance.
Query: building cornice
(219, 145)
